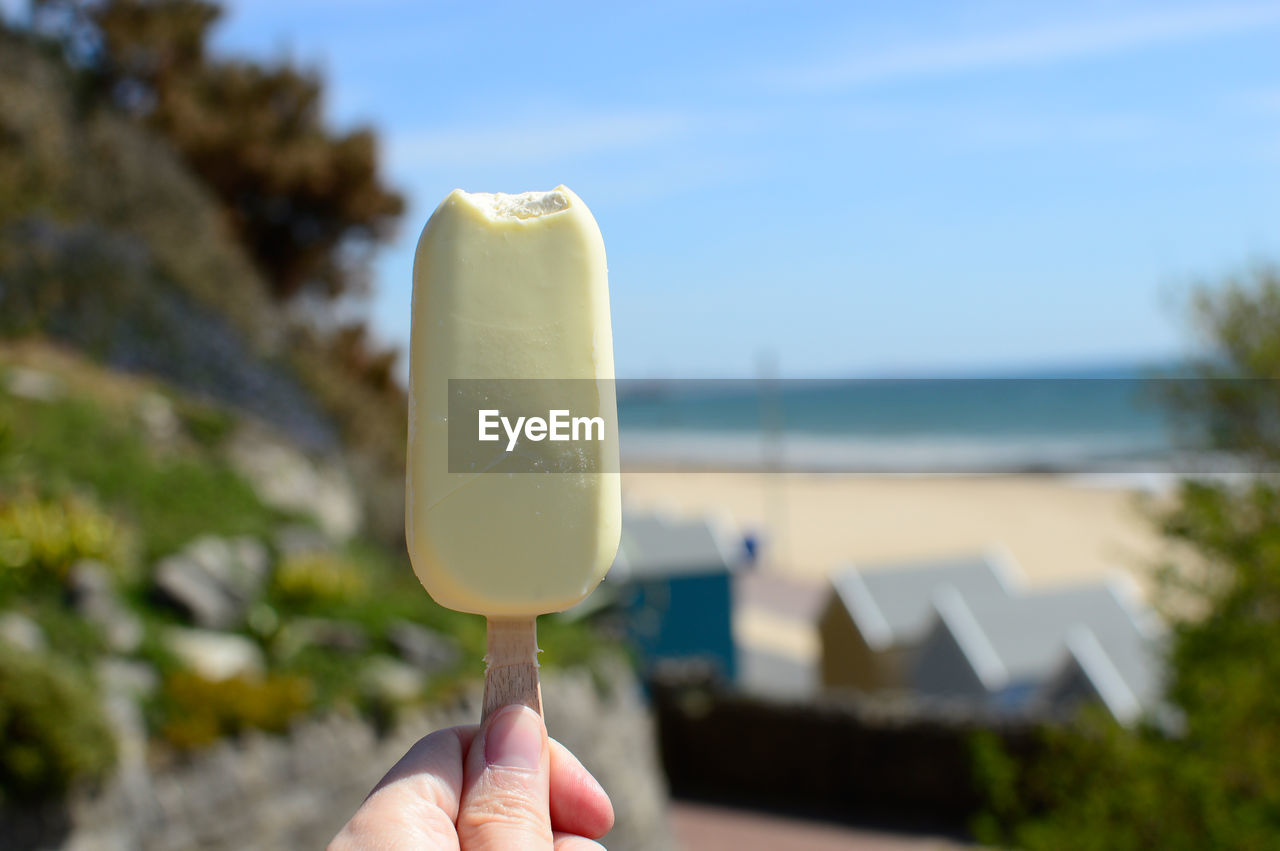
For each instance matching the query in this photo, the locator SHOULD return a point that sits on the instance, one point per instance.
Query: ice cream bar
(509, 288)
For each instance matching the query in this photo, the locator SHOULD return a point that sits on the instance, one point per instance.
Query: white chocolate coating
(508, 287)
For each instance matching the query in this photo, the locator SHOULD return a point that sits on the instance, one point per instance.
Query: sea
(1113, 420)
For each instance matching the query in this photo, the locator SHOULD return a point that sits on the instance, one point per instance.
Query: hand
(505, 785)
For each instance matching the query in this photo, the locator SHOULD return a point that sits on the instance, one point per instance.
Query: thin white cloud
(535, 140)
(1041, 46)
(978, 127)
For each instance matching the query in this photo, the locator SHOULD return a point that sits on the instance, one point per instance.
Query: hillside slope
(108, 244)
(143, 554)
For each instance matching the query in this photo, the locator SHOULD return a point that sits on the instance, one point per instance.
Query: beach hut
(876, 617)
(1047, 650)
(672, 580)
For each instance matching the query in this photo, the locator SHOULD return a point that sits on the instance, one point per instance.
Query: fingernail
(514, 739)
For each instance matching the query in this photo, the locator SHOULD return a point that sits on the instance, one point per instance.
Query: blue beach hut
(673, 582)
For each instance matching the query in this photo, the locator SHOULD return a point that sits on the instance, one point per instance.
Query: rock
(182, 582)
(214, 580)
(260, 792)
(296, 540)
(239, 565)
(212, 554)
(120, 627)
(285, 478)
(426, 649)
(22, 632)
(127, 677)
(89, 579)
(215, 655)
(94, 596)
(392, 680)
(33, 384)
(253, 558)
(124, 683)
(342, 636)
(158, 418)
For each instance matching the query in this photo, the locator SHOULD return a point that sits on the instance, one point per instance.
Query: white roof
(1092, 631)
(1089, 672)
(893, 604)
(657, 545)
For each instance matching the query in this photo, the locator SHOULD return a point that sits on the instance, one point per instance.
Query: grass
(73, 445)
(388, 592)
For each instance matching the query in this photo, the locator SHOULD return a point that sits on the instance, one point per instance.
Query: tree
(307, 202)
(1214, 781)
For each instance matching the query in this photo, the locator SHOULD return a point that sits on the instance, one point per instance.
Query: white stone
(392, 679)
(21, 631)
(285, 478)
(33, 384)
(158, 417)
(215, 655)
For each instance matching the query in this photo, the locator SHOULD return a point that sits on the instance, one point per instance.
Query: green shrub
(1212, 778)
(318, 578)
(40, 539)
(52, 731)
(195, 712)
(206, 424)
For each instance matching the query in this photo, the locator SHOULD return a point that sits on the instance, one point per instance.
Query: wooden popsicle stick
(511, 665)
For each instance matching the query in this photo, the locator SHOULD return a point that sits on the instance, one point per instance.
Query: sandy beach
(1057, 529)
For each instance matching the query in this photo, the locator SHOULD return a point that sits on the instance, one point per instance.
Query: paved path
(774, 621)
(787, 596)
(702, 827)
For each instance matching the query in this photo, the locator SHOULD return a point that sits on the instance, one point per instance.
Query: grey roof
(1097, 632)
(655, 545)
(893, 604)
(1088, 673)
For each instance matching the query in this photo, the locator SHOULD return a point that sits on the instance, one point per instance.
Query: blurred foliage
(110, 242)
(52, 732)
(41, 538)
(1230, 400)
(388, 591)
(64, 445)
(205, 424)
(98, 219)
(353, 381)
(318, 577)
(197, 712)
(1209, 777)
(301, 197)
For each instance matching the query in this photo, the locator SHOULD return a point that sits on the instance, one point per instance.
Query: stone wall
(296, 791)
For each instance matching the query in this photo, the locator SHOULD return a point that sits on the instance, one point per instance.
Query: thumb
(506, 787)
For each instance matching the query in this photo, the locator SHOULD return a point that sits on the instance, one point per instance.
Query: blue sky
(856, 188)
